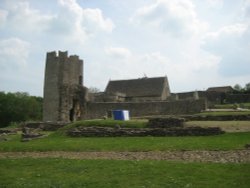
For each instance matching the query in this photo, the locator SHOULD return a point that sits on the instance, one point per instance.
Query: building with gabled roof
(141, 89)
(222, 89)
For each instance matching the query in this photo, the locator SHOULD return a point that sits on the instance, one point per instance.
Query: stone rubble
(231, 156)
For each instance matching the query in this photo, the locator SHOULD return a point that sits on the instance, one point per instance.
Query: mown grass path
(231, 156)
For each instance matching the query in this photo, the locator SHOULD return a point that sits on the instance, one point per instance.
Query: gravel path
(233, 156)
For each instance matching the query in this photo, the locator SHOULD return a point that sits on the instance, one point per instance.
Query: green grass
(57, 142)
(224, 125)
(224, 106)
(43, 173)
(232, 106)
(219, 123)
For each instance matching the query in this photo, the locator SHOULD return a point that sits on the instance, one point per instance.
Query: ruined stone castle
(64, 94)
(66, 99)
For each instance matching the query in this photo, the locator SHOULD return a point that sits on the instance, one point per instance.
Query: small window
(80, 80)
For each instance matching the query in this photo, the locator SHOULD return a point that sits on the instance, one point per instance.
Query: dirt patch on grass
(234, 156)
(227, 126)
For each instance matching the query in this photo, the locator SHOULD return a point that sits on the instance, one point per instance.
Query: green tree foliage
(93, 90)
(239, 89)
(19, 106)
(247, 87)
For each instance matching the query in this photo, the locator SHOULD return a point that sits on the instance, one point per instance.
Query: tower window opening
(80, 80)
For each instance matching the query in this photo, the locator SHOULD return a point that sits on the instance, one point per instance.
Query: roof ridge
(138, 78)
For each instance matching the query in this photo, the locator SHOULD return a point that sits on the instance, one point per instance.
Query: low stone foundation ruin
(168, 126)
(29, 134)
(218, 118)
(45, 126)
(168, 122)
(115, 132)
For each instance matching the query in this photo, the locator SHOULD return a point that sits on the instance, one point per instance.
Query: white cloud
(155, 56)
(65, 25)
(118, 52)
(246, 9)
(237, 29)
(215, 3)
(197, 67)
(162, 37)
(231, 43)
(3, 16)
(93, 19)
(85, 21)
(14, 53)
(22, 18)
(176, 17)
(71, 21)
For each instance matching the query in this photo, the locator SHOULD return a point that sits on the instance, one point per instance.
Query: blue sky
(197, 44)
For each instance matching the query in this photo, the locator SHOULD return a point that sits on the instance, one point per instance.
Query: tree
(19, 106)
(237, 87)
(247, 87)
(93, 90)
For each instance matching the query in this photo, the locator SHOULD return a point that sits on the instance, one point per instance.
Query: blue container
(121, 115)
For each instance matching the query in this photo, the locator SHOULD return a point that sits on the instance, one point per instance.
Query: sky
(196, 44)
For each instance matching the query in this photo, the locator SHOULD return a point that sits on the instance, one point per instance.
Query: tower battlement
(63, 56)
(51, 54)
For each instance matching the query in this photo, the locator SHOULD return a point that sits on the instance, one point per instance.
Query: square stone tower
(64, 94)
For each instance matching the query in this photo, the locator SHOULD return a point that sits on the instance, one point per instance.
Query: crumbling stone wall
(237, 98)
(193, 95)
(137, 109)
(44, 126)
(114, 132)
(168, 122)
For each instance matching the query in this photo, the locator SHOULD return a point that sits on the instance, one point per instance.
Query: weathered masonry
(96, 110)
(65, 97)
(64, 94)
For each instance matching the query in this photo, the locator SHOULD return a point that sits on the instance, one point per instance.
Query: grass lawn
(109, 123)
(58, 142)
(111, 173)
(58, 172)
(232, 106)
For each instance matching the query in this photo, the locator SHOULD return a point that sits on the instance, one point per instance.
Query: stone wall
(51, 88)
(237, 98)
(137, 109)
(211, 97)
(168, 122)
(115, 132)
(193, 95)
(44, 126)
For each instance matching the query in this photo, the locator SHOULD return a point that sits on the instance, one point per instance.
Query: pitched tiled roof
(224, 89)
(138, 87)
